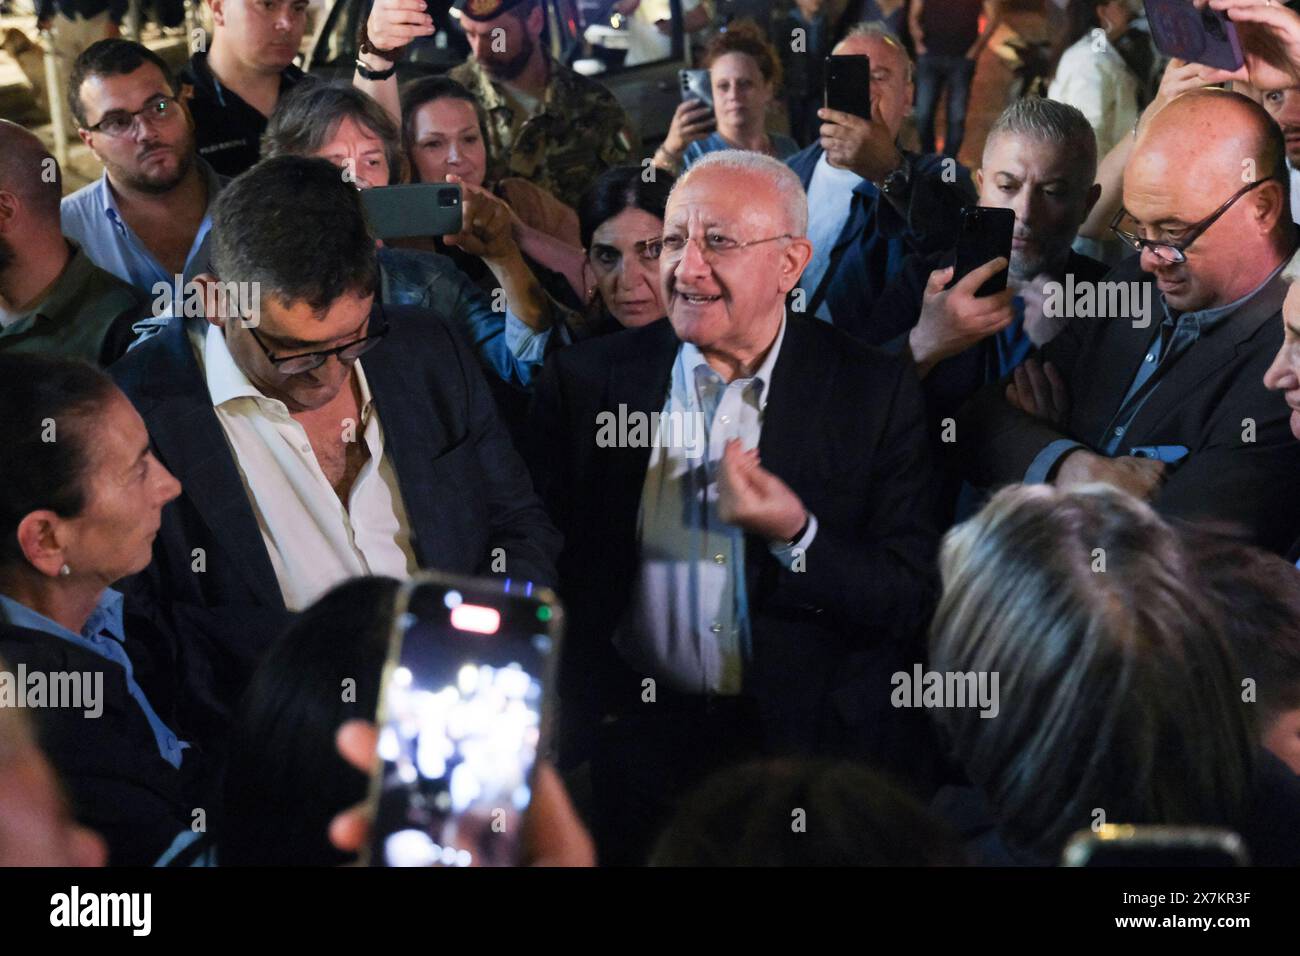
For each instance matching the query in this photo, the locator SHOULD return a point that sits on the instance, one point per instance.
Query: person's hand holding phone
(866, 147)
(692, 120)
(952, 320)
(553, 833)
(393, 24)
(1270, 40)
(487, 225)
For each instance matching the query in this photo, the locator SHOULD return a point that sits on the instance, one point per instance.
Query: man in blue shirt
(145, 219)
(1168, 403)
(870, 203)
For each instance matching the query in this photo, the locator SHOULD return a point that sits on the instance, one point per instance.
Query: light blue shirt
(830, 200)
(1174, 337)
(688, 619)
(92, 220)
(103, 635)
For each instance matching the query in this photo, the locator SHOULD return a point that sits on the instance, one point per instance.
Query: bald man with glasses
(1158, 388)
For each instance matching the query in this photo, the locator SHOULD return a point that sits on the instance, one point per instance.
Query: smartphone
(985, 235)
(1123, 845)
(696, 85)
(1198, 36)
(463, 714)
(414, 209)
(848, 85)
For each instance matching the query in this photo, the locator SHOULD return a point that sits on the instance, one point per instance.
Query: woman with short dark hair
(619, 216)
(81, 498)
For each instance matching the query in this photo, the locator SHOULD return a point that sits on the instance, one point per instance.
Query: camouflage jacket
(579, 131)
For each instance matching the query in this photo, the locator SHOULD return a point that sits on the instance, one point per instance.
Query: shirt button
(716, 628)
(1119, 432)
(306, 449)
(719, 559)
(725, 419)
(1150, 357)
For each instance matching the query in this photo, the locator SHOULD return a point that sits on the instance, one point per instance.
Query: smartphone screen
(1198, 36)
(413, 209)
(986, 234)
(461, 717)
(848, 85)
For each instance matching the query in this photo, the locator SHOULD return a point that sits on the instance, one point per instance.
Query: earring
(65, 571)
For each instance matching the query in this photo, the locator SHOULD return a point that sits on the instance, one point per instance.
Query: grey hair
(1051, 121)
(874, 28)
(1084, 603)
(782, 178)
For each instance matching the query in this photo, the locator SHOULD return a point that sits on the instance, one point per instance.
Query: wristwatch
(895, 184)
(366, 73)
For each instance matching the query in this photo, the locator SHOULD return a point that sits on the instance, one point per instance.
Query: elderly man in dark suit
(304, 464)
(1156, 386)
(747, 498)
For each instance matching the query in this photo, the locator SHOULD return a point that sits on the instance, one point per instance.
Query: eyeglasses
(1175, 252)
(306, 361)
(713, 246)
(120, 122)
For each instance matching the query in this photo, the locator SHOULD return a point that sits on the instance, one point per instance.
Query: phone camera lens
(1213, 26)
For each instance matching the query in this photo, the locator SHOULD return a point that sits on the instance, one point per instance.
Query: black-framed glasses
(306, 361)
(120, 122)
(1175, 252)
(713, 245)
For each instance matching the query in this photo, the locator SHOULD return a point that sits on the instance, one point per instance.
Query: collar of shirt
(695, 369)
(105, 618)
(207, 82)
(227, 381)
(65, 293)
(108, 202)
(1206, 320)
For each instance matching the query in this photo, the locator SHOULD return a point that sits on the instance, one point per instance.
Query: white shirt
(313, 541)
(830, 193)
(645, 43)
(1295, 191)
(688, 619)
(1094, 78)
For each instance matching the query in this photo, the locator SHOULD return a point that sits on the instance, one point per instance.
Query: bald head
(1211, 136)
(1199, 152)
(29, 172)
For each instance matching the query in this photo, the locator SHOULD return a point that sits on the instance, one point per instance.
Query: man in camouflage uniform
(545, 122)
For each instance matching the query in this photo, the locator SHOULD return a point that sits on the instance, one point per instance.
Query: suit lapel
(178, 410)
(1210, 355)
(640, 381)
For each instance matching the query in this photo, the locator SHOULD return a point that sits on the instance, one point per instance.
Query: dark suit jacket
(1203, 403)
(118, 783)
(844, 429)
(876, 238)
(465, 489)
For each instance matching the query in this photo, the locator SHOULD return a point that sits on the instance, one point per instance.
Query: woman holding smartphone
(745, 74)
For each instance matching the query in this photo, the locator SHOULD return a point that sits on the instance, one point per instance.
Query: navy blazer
(465, 489)
(844, 429)
(877, 237)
